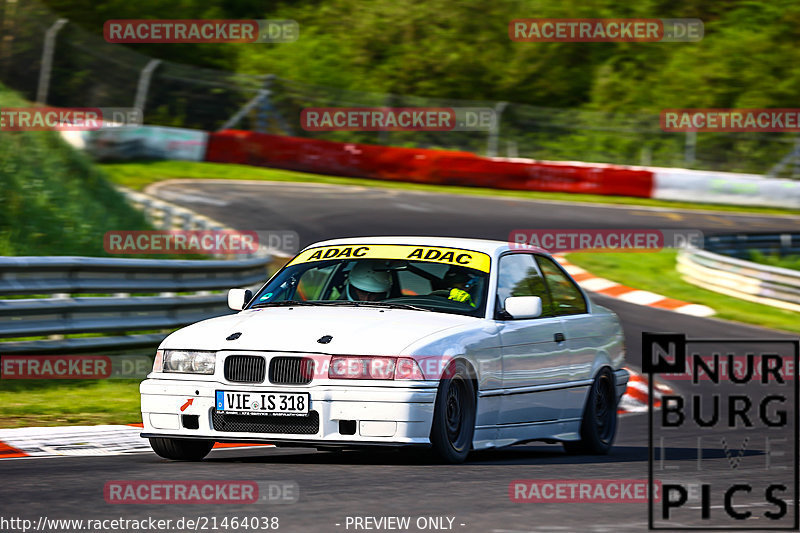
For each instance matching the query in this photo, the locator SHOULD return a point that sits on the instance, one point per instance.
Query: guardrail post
(494, 131)
(47, 60)
(65, 317)
(511, 149)
(144, 85)
(646, 155)
(690, 147)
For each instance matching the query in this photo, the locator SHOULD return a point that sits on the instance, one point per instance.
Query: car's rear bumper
(377, 415)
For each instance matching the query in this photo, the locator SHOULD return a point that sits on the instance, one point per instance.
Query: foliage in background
(440, 48)
(596, 102)
(55, 201)
(776, 260)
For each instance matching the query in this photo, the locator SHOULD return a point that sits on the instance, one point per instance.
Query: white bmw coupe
(451, 344)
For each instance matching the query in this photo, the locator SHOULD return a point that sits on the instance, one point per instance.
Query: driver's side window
(518, 275)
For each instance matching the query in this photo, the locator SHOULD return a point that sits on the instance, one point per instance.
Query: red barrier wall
(422, 166)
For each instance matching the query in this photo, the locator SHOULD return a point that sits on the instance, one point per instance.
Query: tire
(181, 449)
(454, 415)
(599, 424)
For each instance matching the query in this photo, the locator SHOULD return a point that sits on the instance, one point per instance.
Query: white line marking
(191, 198)
(640, 297)
(696, 310)
(597, 284)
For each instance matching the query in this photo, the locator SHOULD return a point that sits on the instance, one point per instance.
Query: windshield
(432, 284)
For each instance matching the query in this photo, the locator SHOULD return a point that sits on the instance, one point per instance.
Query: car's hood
(358, 331)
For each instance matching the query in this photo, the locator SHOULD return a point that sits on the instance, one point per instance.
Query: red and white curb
(71, 440)
(79, 441)
(606, 287)
(635, 398)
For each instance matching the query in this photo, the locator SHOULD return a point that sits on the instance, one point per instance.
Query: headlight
(203, 362)
(189, 362)
(369, 367)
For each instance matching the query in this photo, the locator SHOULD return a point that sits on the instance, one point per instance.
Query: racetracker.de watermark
(736, 369)
(215, 242)
(596, 30)
(200, 31)
(74, 366)
(181, 242)
(579, 490)
(398, 119)
(37, 118)
(604, 240)
(234, 492)
(731, 120)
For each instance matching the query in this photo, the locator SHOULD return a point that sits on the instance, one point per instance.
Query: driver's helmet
(365, 278)
(456, 276)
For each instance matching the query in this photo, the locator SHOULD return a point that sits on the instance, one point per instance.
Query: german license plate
(264, 403)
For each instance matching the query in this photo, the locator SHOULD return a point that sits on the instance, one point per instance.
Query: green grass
(54, 200)
(656, 272)
(780, 261)
(69, 402)
(140, 175)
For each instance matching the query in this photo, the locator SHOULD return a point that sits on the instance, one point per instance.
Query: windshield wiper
(361, 303)
(343, 303)
(282, 303)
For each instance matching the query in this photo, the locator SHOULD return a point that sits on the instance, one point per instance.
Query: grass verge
(55, 201)
(656, 272)
(69, 402)
(140, 175)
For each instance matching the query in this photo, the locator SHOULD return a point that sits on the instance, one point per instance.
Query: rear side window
(567, 297)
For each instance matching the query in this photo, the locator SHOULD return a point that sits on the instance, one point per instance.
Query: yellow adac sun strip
(432, 254)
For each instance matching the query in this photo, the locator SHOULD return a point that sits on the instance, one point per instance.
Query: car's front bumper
(379, 415)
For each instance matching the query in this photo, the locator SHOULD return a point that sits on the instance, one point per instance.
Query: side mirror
(238, 298)
(523, 306)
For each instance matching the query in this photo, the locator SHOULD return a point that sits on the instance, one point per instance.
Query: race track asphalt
(334, 486)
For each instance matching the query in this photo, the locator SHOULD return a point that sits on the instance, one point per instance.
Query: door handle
(559, 337)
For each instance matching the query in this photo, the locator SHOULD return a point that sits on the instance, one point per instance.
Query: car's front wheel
(599, 424)
(454, 415)
(181, 449)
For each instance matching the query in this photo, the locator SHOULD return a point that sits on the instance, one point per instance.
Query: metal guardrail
(720, 268)
(74, 275)
(63, 311)
(740, 245)
(113, 300)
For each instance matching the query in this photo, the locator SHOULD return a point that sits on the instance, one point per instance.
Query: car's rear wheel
(181, 449)
(454, 415)
(599, 423)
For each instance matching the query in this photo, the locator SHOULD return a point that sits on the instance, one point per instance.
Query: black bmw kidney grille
(296, 425)
(245, 368)
(291, 370)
